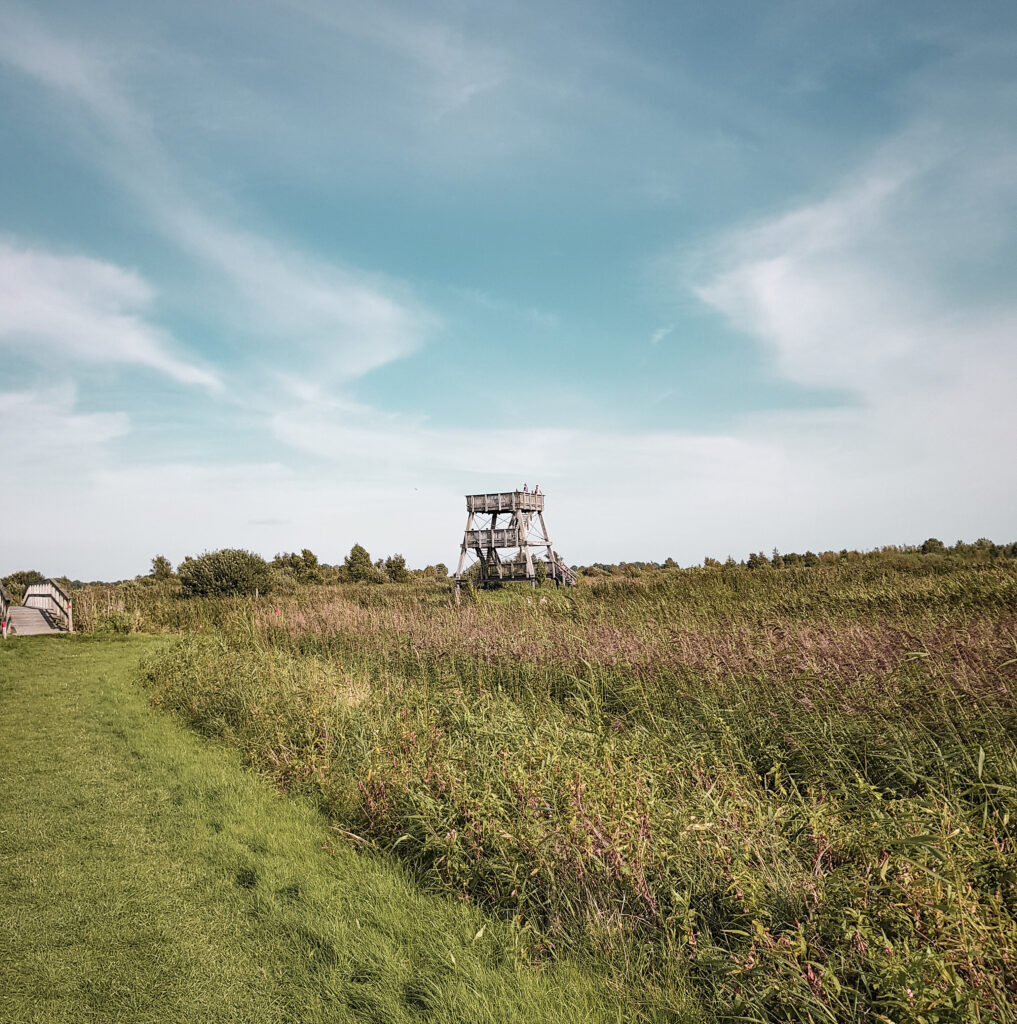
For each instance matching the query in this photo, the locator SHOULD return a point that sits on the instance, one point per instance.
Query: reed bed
(790, 793)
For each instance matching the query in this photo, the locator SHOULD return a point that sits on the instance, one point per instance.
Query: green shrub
(223, 572)
(17, 582)
(117, 621)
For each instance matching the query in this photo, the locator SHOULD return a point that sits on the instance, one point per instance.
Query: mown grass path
(144, 876)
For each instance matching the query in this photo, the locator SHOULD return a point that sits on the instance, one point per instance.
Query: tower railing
(510, 538)
(505, 501)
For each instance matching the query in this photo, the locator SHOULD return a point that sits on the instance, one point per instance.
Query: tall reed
(794, 791)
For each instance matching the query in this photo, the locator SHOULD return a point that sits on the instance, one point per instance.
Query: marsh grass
(795, 790)
(147, 877)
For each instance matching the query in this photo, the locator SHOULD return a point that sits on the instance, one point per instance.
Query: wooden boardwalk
(32, 622)
(46, 609)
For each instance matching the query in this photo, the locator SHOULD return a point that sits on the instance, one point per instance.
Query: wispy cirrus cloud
(455, 67)
(342, 320)
(888, 285)
(56, 308)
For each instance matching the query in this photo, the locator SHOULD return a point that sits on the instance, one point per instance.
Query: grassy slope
(146, 877)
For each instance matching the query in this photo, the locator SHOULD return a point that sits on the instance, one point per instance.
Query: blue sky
(719, 277)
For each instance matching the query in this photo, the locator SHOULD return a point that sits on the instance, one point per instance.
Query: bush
(228, 571)
(303, 568)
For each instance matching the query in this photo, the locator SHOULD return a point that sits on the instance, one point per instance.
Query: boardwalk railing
(5, 611)
(50, 597)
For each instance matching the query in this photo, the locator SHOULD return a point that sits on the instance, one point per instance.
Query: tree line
(932, 552)
(238, 571)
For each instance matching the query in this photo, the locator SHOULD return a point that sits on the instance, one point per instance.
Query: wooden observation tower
(522, 531)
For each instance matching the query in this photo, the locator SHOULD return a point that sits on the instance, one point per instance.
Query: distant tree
(358, 568)
(810, 558)
(711, 563)
(441, 571)
(395, 569)
(758, 560)
(16, 582)
(933, 546)
(23, 578)
(539, 571)
(304, 568)
(224, 572)
(777, 560)
(472, 574)
(162, 567)
(670, 563)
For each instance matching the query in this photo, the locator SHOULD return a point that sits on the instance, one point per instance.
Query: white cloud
(889, 284)
(48, 442)
(340, 321)
(63, 65)
(343, 321)
(55, 307)
(886, 289)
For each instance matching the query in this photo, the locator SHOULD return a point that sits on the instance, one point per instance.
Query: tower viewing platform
(522, 531)
(505, 502)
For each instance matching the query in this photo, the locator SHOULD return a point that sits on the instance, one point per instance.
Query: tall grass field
(776, 795)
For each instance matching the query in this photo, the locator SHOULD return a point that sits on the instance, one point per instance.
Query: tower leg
(462, 550)
(550, 553)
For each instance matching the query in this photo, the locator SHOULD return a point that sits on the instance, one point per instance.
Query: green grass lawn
(145, 876)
